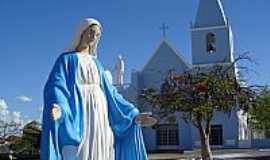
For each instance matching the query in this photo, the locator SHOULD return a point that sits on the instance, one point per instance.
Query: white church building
(212, 43)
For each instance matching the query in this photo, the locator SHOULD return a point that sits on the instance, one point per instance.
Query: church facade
(212, 43)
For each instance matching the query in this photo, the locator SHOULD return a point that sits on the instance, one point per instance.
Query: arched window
(211, 43)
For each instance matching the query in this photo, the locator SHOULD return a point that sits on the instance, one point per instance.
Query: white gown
(98, 140)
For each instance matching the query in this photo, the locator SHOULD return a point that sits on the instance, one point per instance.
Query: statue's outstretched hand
(145, 119)
(56, 112)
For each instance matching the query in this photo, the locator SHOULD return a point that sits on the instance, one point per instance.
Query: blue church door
(216, 135)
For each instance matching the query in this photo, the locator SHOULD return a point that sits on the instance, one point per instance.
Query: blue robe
(62, 88)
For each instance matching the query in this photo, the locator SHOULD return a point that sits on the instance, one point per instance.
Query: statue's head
(119, 56)
(88, 34)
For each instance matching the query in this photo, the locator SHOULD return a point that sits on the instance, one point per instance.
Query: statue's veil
(83, 26)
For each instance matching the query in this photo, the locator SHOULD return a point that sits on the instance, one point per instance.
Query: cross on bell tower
(164, 27)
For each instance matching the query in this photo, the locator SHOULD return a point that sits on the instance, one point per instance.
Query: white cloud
(24, 98)
(4, 113)
(17, 118)
(8, 116)
(3, 105)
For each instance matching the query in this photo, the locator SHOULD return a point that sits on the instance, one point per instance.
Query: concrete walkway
(222, 154)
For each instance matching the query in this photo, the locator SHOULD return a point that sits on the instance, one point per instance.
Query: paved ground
(224, 154)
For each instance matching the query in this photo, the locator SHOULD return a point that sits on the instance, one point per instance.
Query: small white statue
(120, 69)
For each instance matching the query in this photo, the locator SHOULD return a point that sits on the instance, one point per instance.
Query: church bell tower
(211, 35)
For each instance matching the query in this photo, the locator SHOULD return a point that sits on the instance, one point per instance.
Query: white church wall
(165, 59)
(229, 130)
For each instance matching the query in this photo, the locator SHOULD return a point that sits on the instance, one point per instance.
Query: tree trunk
(205, 145)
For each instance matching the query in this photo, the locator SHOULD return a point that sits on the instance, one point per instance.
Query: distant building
(212, 43)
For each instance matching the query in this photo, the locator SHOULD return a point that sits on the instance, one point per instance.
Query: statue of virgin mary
(84, 117)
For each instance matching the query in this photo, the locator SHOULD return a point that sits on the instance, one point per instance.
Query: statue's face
(90, 35)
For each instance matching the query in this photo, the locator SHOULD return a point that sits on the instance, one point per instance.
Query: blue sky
(34, 32)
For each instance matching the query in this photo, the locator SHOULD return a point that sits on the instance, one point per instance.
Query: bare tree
(10, 125)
